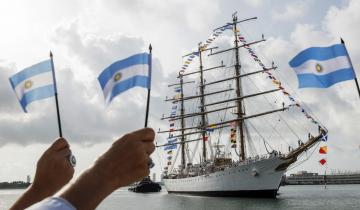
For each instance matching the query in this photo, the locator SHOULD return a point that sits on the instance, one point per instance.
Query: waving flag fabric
(211, 128)
(171, 144)
(125, 74)
(321, 67)
(324, 137)
(323, 150)
(33, 83)
(322, 161)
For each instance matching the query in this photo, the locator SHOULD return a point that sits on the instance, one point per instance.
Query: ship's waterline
(257, 178)
(334, 197)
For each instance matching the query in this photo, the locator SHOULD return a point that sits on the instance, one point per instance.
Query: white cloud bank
(101, 33)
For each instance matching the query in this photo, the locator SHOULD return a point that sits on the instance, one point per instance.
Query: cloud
(344, 22)
(85, 119)
(292, 11)
(254, 3)
(93, 51)
(8, 102)
(15, 123)
(336, 106)
(85, 43)
(183, 14)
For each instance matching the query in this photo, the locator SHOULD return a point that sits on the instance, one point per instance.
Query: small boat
(145, 185)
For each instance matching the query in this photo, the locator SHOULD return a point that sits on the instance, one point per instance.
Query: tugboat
(145, 186)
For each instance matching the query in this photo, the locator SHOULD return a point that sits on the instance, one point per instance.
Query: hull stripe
(239, 193)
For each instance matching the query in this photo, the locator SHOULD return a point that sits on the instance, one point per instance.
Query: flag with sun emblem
(33, 83)
(122, 75)
(321, 67)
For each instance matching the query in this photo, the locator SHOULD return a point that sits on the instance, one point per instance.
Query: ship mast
(202, 102)
(239, 99)
(182, 113)
(238, 91)
(182, 122)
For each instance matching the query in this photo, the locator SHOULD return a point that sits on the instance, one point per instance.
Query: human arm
(53, 171)
(124, 163)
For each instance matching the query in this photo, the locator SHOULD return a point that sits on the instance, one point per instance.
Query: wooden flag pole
(149, 89)
(355, 79)
(56, 95)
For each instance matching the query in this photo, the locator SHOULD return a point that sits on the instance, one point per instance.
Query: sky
(86, 36)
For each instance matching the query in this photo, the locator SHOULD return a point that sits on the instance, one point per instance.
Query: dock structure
(306, 178)
(14, 185)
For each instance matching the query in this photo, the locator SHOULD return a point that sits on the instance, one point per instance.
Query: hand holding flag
(35, 83)
(134, 71)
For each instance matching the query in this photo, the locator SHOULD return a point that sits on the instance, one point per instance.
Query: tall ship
(234, 129)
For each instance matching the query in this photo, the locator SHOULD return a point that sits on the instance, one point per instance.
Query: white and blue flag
(122, 75)
(33, 83)
(321, 67)
(171, 144)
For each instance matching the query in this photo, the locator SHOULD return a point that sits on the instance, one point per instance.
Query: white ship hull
(255, 178)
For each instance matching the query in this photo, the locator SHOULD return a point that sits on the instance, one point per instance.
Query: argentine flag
(321, 67)
(122, 75)
(33, 83)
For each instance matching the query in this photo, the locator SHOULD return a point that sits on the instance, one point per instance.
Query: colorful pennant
(208, 42)
(233, 134)
(322, 161)
(211, 128)
(323, 150)
(274, 80)
(324, 137)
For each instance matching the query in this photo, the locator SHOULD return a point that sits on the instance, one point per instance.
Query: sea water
(339, 197)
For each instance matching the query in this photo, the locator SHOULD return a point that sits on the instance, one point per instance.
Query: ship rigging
(197, 117)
